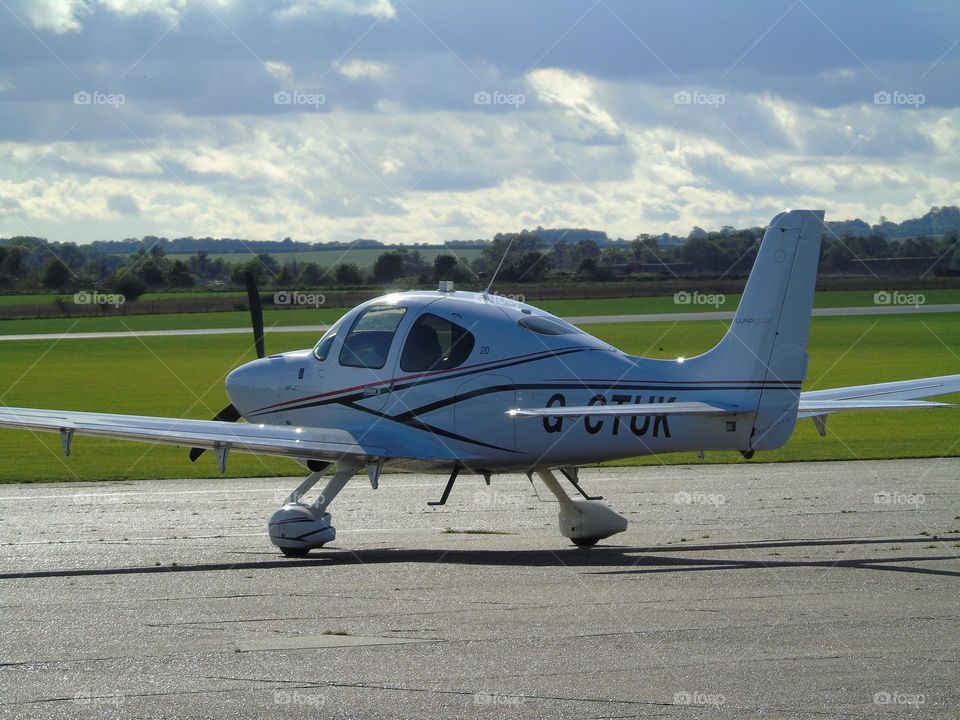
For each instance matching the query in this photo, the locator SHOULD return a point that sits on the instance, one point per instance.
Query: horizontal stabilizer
(825, 407)
(899, 395)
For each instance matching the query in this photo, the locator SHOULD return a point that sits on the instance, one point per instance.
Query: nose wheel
(298, 527)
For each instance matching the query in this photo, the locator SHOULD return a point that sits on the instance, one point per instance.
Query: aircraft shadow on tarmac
(620, 559)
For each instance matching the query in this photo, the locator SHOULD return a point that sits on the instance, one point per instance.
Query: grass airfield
(183, 377)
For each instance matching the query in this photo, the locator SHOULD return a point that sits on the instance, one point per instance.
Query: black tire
(295, 552)
(585, 542)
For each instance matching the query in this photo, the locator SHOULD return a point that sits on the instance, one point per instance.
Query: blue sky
(432, 121)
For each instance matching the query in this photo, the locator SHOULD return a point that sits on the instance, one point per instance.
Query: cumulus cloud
(402, 151)
(356, 69)
(380, 9)
(575, 94)
(279, 70)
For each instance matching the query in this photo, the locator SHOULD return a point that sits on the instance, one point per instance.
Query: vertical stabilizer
(767, 341)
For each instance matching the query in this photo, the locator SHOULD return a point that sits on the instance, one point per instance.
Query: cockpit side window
(322, 350)
(368, 343)
(435, 344)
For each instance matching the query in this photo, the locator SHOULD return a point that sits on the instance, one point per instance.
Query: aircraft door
(481, 406)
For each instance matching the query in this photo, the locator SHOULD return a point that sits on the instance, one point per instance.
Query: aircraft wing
(627, 409)
(901, 395)
(329, 444)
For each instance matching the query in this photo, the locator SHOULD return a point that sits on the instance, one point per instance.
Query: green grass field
(328, 314)
(183, 376)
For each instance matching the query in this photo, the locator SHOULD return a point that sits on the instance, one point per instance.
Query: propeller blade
(228, 414)
(256, 314)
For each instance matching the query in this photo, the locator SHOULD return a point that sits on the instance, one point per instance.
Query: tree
(55, 274)
(388, 267)
(179, 275)
(448, 267)
(311, 275)
(531, 267)
(129, 286)
(152, 272)
(348, 274)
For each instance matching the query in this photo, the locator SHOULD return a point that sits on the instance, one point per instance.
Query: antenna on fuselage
(497, 271)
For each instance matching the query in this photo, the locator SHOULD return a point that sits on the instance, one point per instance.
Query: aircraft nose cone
(252, 386)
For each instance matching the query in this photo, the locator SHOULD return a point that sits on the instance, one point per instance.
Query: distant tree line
(30, 264)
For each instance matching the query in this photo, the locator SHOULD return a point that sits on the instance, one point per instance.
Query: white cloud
(380, 9)
(59, 16)
(62, 16)
(574, 93)
(279, 70)
(357, 69)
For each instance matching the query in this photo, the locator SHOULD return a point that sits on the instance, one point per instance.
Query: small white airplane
(471, 382)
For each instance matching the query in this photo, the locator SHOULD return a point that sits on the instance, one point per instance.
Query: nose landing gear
(297, 528)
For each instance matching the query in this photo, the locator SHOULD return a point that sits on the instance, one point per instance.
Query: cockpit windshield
(322, 349)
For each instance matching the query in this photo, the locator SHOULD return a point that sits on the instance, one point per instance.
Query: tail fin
(766, 344)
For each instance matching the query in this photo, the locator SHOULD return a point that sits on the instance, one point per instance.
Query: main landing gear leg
(585, 522)
(297, 528)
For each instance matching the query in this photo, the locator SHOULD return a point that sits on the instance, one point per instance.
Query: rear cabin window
(435, 344)
(549, 326)
(368, 343)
